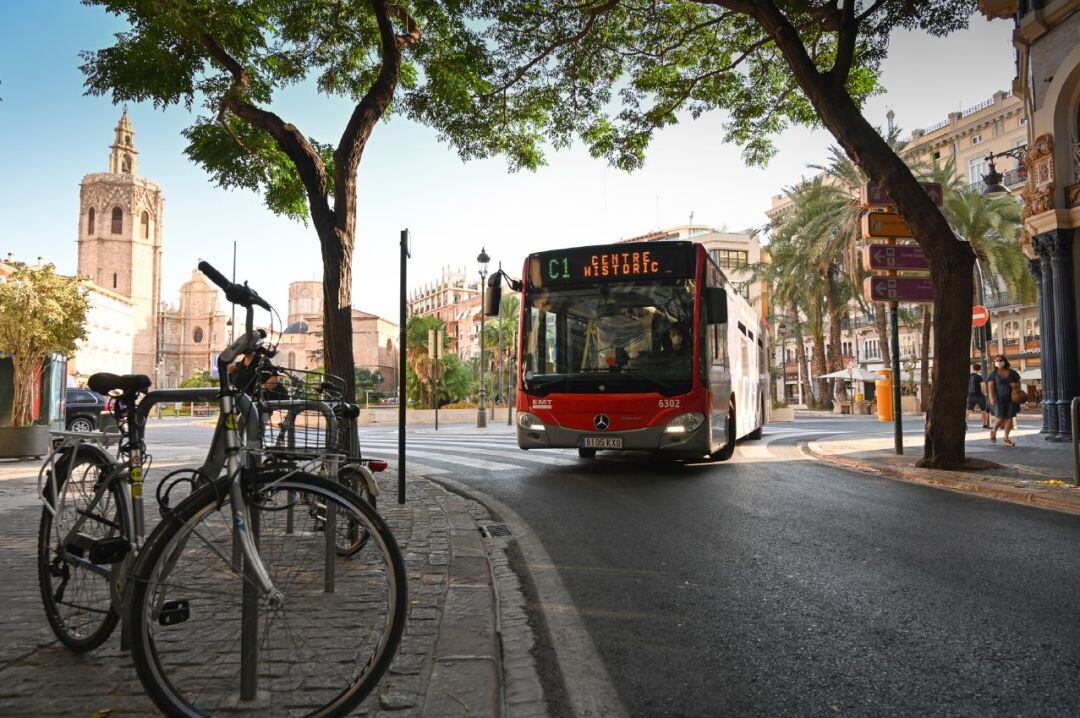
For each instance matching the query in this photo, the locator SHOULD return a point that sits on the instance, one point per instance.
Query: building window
(125, 165)
(146, 225)
(114, 280)
(117, 221)
(292, 360)
(197, 335)
(1012, 332)
(976, 169)
(976, 139)
(935, 155)
(90, 221)
(1022, 121)
(730, 258)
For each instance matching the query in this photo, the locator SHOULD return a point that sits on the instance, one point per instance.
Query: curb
(489, 624)
(966, 482)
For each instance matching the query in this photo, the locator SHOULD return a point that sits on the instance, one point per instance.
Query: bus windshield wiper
(665, 386)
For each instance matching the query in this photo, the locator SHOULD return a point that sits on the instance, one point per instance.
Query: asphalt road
(776, 585)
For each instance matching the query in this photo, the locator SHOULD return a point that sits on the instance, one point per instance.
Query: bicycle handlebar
(240, 294)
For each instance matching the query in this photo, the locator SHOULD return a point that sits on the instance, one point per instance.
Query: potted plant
(41, 313)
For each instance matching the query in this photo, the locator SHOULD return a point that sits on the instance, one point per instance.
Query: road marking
(519, 455)
(412, 467)
(470, 462)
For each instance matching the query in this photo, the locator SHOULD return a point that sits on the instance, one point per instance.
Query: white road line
(486, 450)
(411, 467)
(472, 463)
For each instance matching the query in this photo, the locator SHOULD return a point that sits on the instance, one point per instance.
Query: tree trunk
(951, 261)
(836, 358)
(800, 358)
(819, 369)
(924, 370)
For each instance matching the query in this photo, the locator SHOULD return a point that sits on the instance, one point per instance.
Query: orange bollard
(883, 394)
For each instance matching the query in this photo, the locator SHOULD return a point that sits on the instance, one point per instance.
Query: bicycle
(235, 603)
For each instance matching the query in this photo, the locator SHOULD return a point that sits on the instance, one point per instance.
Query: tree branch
(846, 36)
(585, 28)
(291, 141)
(370, 108)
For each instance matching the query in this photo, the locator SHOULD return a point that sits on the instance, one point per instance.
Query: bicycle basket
(297, 408)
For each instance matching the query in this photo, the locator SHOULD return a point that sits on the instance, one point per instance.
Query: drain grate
(494, 530)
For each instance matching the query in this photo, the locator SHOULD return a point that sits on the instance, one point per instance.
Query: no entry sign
(980, 315)
(898, 289)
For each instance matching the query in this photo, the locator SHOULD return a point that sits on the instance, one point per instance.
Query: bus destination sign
(618, 262)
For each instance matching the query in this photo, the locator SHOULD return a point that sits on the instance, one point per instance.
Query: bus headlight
(529, 422)
(684, 423)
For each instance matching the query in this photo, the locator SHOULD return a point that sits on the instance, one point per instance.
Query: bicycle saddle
(103, 383)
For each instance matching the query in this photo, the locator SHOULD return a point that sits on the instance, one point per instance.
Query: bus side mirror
(494, 295)
(715, 305)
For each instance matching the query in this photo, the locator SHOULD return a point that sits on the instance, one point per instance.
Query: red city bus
(637, 346)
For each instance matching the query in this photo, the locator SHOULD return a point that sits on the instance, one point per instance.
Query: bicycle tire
(166, 656)
(90, 632)
(351, 537)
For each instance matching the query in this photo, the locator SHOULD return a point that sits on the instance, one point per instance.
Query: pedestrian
(1000, 386)
(976, 398)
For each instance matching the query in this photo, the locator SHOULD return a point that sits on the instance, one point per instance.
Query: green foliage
(199, 379)
(455, 380)
(613, 73)
(41, 313)
(368, 380)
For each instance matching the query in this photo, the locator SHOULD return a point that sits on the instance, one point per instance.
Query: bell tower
(120, 232)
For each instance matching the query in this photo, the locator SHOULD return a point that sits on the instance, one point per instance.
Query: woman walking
(1000, 384)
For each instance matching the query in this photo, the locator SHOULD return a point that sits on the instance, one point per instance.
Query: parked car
(82, 410)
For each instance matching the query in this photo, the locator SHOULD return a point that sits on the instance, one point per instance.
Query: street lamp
(993, 179)
(781, 330)
(481, 417)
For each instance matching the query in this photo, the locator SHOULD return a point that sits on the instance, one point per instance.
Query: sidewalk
(465, 652)
(1035, 471)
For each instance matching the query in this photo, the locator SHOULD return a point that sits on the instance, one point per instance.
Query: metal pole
(502, 359)
(438, 340)
(481, 411)
(894, 321)
(511, 386)
(232, 327)
(1074, 410)
(401, 369)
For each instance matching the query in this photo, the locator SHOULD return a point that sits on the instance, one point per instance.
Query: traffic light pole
(894, 330)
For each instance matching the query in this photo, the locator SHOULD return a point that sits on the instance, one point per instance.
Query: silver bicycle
(237, 602)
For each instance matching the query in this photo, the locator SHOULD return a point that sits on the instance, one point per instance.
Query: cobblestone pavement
(464, 626)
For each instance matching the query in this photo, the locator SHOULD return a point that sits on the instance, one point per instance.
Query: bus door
(717, 343)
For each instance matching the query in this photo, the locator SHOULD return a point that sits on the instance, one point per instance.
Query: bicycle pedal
(109, 550)
(174, 612)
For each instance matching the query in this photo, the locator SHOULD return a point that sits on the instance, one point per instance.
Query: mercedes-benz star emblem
(601, 422)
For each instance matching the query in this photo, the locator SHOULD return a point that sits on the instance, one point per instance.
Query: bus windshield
(633, 336)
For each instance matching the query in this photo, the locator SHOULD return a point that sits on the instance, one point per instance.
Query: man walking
(976, 393)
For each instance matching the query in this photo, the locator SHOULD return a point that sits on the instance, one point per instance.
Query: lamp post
(502, 360)
(481, 417)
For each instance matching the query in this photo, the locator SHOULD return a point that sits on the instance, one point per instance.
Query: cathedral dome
(297, 327)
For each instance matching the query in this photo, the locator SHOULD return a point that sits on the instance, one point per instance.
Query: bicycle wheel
(76, 594)
(351, 534)
(207, 642)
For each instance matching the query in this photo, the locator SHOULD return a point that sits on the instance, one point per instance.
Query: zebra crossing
(448, 452)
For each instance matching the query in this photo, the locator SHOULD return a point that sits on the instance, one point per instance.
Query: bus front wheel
(586, 453)
(729, 448)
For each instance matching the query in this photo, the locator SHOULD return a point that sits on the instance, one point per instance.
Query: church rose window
(117, 221)
(90, 221)
(197, 335)
(146, 225)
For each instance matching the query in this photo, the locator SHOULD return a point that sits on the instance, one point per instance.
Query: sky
(54, 135)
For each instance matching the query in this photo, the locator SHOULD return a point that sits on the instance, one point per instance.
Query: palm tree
(992, 225)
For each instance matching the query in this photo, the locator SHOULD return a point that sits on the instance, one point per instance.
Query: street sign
(898, 289)
(890, 256)
(873, 195)
(980, 315)
(884, 224)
